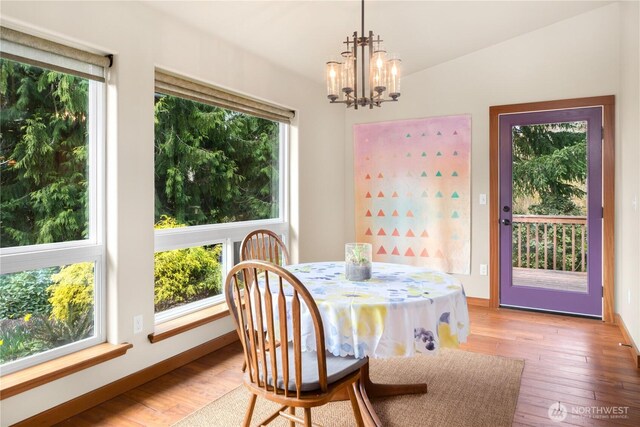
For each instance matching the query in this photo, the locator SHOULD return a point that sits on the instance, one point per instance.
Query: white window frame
(226, 234)
(33, 257)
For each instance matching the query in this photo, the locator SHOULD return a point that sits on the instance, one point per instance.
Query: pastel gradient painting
(412, 184)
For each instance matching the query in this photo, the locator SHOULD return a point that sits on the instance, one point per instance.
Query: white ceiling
(302, 35)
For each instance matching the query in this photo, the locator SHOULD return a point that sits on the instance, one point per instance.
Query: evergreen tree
(213, 165)
(550, 163)
(43, 153)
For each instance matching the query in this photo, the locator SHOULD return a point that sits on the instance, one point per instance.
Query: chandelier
(384, 73)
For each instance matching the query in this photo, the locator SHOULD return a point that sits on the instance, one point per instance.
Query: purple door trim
(546, 299)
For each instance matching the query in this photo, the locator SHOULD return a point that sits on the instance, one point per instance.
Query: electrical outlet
(137, 324)
(483, 269)
(483, 199)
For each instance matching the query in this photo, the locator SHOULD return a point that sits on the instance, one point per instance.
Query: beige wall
(578, 57)
(143, 39)
(628, 172)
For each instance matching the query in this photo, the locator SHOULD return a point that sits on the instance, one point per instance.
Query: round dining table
(401, 311)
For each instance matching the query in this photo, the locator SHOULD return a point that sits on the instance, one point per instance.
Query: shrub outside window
(52, 254)
(219, 174)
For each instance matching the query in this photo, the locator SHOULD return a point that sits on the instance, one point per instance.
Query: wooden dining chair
(264, 245)
(285, 374)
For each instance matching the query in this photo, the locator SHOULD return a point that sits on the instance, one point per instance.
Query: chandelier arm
(370, 44)
(355, 69)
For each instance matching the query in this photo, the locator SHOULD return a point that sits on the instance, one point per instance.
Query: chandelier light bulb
(333, 80)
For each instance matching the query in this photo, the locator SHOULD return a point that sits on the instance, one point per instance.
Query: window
(219, 173)
(51, 230)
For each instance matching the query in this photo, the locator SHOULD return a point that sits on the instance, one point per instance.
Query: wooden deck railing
(550, 242)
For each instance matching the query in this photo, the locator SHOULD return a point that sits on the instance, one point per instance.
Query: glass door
(551, 210)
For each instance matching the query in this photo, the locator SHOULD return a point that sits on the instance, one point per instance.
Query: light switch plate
(483, 199)
(483, 269)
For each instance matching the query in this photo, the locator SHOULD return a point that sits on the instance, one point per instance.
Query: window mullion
(184, 237)
(35, 260)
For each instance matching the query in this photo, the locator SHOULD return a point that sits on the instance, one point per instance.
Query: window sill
(190, 321)
(26, 379)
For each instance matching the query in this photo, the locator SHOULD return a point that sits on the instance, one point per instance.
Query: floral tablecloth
(402, 310)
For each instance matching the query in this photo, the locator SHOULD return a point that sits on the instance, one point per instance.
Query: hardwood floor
(572, 360)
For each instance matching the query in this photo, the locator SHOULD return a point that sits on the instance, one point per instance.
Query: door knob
(506, 222)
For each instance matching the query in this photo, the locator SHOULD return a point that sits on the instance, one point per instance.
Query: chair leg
(307, 417)
(292, 411)
(249, 414)
(369, 416)
(244, 366)
(353, 389)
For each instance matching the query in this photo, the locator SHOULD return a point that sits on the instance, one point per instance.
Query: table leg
(368, 389)
(380, 390)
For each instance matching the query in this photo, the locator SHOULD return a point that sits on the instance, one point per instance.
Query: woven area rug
(465, 389)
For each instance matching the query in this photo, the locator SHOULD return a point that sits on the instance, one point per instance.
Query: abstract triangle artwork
(412, 191)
